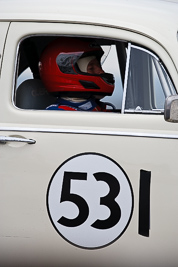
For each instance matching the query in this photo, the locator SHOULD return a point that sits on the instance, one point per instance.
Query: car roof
(107, 12)
(157, 19)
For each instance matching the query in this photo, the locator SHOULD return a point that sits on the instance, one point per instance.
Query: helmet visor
(66, 62)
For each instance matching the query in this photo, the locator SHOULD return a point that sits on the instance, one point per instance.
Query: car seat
(31, 94)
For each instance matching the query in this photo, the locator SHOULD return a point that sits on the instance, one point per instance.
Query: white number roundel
(90, 200)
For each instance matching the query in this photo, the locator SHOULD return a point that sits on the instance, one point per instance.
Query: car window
(141, 81)
(30, 89)
(147, 84)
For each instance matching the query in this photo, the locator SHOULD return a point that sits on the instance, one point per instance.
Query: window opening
(25, 75)
(111, 65)
(30, 50)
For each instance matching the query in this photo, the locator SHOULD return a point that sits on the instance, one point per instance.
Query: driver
(70, 69)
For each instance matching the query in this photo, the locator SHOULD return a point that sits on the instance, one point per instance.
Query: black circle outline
(132, 195)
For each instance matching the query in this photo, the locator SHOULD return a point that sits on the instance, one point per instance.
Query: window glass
(148, 83)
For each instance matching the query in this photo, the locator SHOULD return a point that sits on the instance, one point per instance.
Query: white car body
(38, 146)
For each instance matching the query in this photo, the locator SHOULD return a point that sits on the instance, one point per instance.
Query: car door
(3, 30)
(83, 188)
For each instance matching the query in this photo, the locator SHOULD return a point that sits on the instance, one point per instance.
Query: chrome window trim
(126, 78)
(145, 50)
(91, 132)
(144, 111)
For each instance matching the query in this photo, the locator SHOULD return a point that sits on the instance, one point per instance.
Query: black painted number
(108, 200)
(78, 200)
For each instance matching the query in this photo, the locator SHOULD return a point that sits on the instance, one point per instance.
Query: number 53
(108, 200)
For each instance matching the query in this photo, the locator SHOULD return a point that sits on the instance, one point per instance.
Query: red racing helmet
(62, 68)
